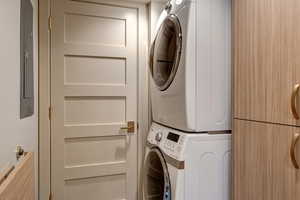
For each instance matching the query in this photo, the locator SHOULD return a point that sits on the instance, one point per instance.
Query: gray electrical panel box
(27, 70)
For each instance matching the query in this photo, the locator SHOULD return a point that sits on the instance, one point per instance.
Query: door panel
(94, 94)
(91, 150)
(92, 70)
(263, 169)
(266, 59)
(96, 187)
(83, 29)
(94, 110)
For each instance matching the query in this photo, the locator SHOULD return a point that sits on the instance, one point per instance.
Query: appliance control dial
(158, 136)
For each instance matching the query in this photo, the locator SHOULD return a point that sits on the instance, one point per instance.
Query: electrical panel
(27, 70)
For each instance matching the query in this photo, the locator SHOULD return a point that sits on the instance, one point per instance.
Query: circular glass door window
(166, 52)
(156, 178)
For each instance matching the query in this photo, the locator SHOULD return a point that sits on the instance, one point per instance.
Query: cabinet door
(266, 59)
(263, 169)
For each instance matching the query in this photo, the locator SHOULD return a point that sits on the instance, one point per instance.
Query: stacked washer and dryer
(189, 144)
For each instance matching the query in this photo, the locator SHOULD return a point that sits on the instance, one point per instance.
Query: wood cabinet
(266, 37)
(266, 59)
(263, 168)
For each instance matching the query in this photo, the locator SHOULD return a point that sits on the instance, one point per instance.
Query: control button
(158, 136)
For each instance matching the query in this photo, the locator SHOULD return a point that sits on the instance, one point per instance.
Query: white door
(93, 95)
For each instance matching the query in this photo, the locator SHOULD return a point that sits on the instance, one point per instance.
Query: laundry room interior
(150, 100)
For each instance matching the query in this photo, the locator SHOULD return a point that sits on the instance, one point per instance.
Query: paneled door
(264, 164)
(266, 60)
(94, 101)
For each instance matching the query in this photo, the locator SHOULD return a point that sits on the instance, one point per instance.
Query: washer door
(166, 52)
(156, 177)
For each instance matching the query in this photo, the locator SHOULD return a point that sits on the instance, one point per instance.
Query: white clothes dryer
(190, 64)
(180, 166)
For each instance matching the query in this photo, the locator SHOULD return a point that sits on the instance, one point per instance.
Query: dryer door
(156, 177)
(165, 52)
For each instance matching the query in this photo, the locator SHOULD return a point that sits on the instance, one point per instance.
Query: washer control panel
(169, 141)
(173, 144)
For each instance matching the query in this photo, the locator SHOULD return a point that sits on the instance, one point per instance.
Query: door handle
(293, 101)
(129, 128)
(296, 138)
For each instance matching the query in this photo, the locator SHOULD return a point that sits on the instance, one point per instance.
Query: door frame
(44, 183)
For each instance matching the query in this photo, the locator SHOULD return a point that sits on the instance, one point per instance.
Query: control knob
(158, 136)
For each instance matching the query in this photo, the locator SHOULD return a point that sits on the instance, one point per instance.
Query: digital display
(173, 137)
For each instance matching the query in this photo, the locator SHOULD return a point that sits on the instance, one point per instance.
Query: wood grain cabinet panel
(20, 183)
(266, 59)
(263, 169)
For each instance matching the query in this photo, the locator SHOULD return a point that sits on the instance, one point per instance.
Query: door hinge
(50, 23)
(50, 196)
(50, 113)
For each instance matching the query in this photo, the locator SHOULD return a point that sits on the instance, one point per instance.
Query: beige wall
(14, 131)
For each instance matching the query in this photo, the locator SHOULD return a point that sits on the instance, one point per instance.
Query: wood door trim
(44, 186)
(45, 94)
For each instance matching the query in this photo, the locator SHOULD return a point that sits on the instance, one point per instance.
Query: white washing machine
(190, 64)
(180, 166)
